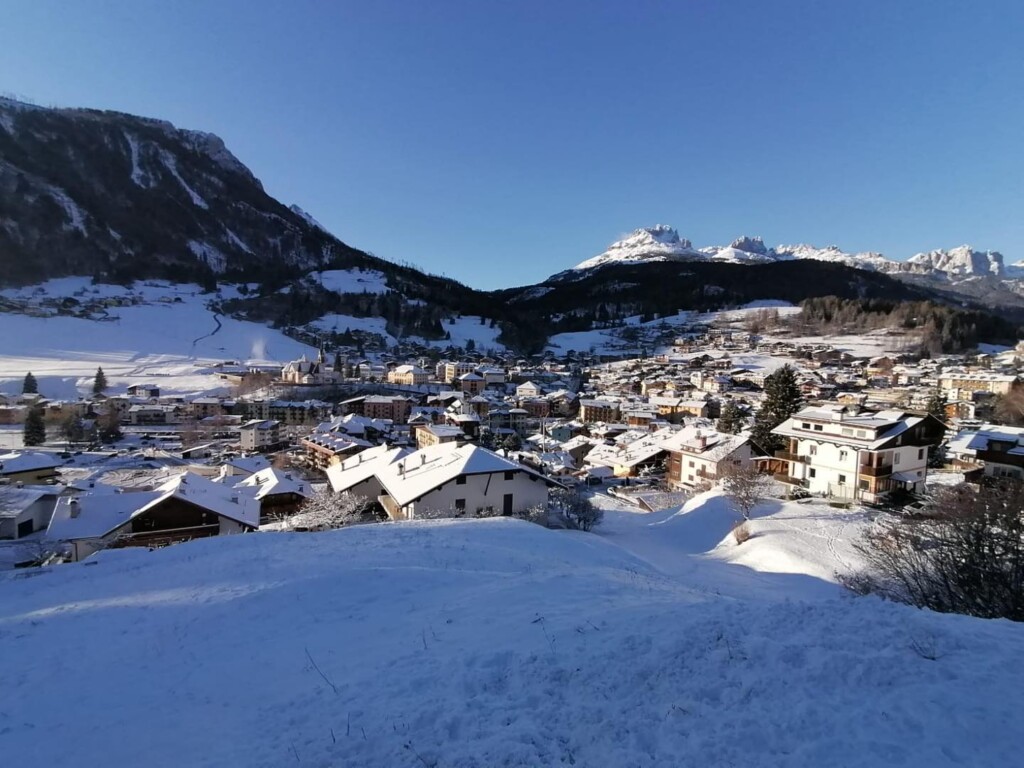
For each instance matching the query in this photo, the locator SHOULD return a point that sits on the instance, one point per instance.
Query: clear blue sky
(499, 142)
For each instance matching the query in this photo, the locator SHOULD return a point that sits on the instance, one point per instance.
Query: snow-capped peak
(961, 262)
(657, 243)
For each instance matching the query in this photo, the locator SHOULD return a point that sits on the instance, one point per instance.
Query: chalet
(999, 449)
(843, 452)
(278, 493)
(699, 456)
(448, 480)
(528, 389)
(185, 507)
(144, 390)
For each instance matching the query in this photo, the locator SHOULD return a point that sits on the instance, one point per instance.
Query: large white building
(441, 481)
(842, 452)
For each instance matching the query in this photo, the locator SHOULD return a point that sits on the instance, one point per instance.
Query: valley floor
(655, 642)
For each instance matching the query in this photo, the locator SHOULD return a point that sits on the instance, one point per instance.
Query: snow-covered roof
(250, 464)
(99, 514)
(26, 461)
(708, 444)
(273, 482)
(355, 469)
(14, 501)
(422, 471)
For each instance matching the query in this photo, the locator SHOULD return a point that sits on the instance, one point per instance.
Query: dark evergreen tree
(782, 399)
(29, 386)
(99, 384)
(936, 405)
(731, 419)
(35, 428)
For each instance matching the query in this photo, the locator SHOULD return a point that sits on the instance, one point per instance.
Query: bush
(573, 510)
(741, 532)
(963, 554)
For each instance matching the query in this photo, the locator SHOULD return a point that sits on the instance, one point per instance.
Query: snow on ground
(352, 280)
(870, 344)
(469, 328)
(481, 643)
(797, 548)
(338, 323)
(170, 339)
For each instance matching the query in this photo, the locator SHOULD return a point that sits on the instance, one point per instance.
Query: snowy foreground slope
(478, 643)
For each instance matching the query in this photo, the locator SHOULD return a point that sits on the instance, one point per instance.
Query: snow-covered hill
(152, 332)
(485, 643)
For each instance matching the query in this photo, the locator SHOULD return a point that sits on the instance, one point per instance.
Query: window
(691, 463)
(896, 457)
(460, 505)
(812, 450)
(863, 485)
(817, 427)
(920, 453)
(847, 432)
(460, 480)
(842, 479)
(510, 475)
(843, 455)
(862, 433)
(805, 425)
(812, 473)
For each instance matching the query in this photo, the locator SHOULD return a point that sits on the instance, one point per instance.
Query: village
(484, 435)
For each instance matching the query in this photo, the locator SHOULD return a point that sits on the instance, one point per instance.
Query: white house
(442, 481)
(698, 456)
(847, 453)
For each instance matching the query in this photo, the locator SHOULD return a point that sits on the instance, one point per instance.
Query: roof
(99, 514)
(273, 482)
(425, 470)
(26, 461)
(250, 464)
(708, 444)
(14, 501)
(355, 469)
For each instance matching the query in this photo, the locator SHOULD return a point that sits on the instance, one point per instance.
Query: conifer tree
(936, 405)
(782, 399)
(29, 386)
(35, 428)
(731, 419)
(99, 384)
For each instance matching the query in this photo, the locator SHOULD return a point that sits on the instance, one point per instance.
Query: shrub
(741, 532)
(573, 510)
(963, 554)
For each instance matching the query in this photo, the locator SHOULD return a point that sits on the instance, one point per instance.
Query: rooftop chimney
(74, 507)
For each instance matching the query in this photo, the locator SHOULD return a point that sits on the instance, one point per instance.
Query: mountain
(961, 271)
(125, 197)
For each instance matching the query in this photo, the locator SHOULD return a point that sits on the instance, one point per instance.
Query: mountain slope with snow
(662, 243)
(480, 643)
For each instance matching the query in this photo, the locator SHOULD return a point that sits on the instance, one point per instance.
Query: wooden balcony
(787, 456)
(880, 471)
(795, 481)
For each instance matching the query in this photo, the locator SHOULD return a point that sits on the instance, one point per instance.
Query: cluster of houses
(481, 437)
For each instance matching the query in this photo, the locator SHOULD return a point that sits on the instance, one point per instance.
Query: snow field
(479, 643)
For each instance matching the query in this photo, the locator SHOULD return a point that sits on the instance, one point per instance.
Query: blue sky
(499, 142)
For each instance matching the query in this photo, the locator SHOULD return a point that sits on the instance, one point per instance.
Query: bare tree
(574, 510)
(745, 488)
(325, 510)
(964, 554)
